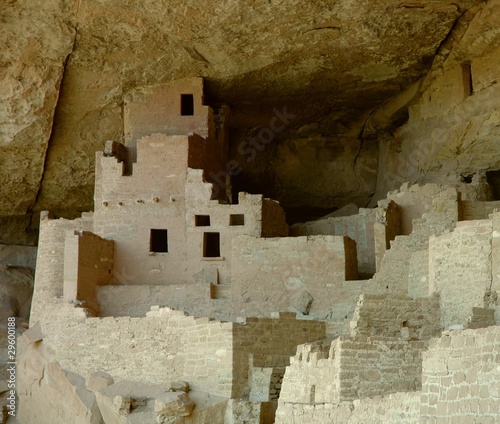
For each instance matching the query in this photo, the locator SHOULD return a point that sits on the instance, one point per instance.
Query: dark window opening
(187, 105)
(158, 241)
(202, 220)
(493, 178)
(211, 245)
(467, 79)
(237, 219)
(467, 179)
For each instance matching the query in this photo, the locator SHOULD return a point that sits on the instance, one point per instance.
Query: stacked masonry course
(361, 298)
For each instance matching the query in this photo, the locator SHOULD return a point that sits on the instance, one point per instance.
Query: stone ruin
(171, 303)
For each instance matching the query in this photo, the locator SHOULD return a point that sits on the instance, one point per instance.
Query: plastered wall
(268, 272)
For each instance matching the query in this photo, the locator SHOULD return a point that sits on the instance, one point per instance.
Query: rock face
(36, 39)
(452, 131)
(329, 63)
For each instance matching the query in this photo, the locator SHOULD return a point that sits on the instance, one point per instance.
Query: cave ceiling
(67, 65)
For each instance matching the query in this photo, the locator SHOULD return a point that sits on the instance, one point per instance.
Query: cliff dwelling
(223, 212)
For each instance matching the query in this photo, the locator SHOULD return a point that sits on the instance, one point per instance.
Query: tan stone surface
(36, 39)
(264, 53)
(453, 123)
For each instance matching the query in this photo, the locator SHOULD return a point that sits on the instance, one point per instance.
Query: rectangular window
(237, 219)
(187, 105)
(158, 241)
(202, 220)
(211, 245)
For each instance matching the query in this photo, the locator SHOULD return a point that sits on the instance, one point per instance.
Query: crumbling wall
(397, 316)
(164, 346)
(440, 204)
(270, 342)
(461, 377)
(273, 219)
(460, 270)
(357, 368)
(460, 381)
(416, 200)
(47, 304)
(167, 345)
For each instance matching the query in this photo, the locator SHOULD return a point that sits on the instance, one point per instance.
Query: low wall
(460, 383)
(397, 408)
(357, 368)
(167, 345)
(397, 316)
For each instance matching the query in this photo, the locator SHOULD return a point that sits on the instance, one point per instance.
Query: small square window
(202, 220)
(237, 219)
(187, 105)
(158, 241)
(211, 245)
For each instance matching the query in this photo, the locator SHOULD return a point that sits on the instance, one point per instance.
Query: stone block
(175, 404)
(33, 334)
(98, 380)
(179, 386)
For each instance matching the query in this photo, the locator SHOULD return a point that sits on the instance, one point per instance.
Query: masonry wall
(495, 264)
(268, 273)
(47, 305)
(397, 408)
(88, 262)
(418, 274)
(461, 377)
(167, 345)
(357, 368)
(158, 349)
(385, 229)
(157, 109)
(397, 316)
(228, 221)
(460, 270)
(416, 200)
(440, 204)
(136, 300)
(269, 342)
(357, 227)
(470, 211)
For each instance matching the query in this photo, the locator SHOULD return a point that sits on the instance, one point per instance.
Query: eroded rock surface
(328, 62)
